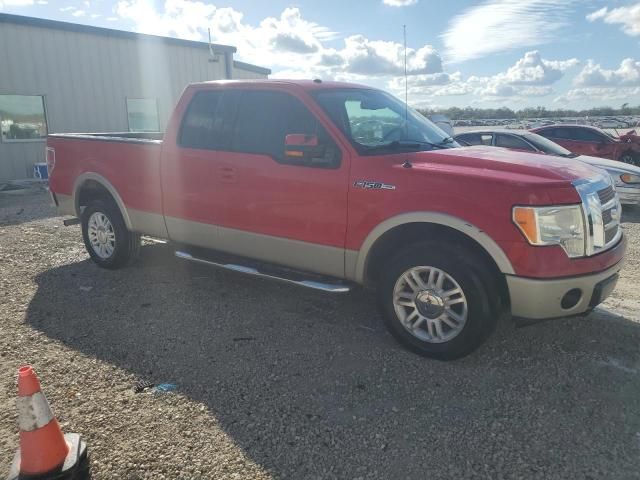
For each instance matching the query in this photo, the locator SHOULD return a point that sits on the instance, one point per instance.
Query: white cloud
(289, 43)
(95, 15)
(15, 3)
(593, 75)
(597, 95)
(399, 3)
(79, 13)
(593, 16)
(500, 25)
(532, 69)
(628, 17)
(67, 9)
(361, 56)
(42, 2)
(112, 19)
(530, 76)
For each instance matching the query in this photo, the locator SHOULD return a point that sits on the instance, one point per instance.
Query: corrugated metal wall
(86, 79)
(241, 74)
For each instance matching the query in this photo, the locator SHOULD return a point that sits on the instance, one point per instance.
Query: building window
(143, 115)
(22, 118)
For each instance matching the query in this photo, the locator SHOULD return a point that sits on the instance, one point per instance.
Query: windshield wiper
(398, 144)
(445, 140)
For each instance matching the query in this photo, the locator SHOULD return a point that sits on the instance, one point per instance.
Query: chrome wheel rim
(430, 304)
(101, 235)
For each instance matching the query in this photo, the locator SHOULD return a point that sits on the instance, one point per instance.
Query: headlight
(630, 179)
(561, 225)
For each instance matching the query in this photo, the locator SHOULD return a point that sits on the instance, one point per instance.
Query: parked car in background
(586, 140)
(625, 177)
(611, 123)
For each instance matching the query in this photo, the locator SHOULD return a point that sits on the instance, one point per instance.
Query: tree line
(468, 113)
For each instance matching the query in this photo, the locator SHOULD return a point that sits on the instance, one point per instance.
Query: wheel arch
(387, 234)
(100, 186)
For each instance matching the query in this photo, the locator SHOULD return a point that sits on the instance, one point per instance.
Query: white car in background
(625, 177)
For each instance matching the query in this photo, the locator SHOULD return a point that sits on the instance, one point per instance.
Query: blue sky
(485, 53)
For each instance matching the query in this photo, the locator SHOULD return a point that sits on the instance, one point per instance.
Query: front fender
(356, 264)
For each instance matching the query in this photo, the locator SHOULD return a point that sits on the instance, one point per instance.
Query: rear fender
(83, 178)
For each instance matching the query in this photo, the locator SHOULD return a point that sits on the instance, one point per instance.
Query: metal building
(58, 77)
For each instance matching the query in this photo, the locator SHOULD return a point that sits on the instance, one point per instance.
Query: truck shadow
(323, 377)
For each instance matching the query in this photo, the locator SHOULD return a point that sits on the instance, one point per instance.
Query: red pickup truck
(329, 185)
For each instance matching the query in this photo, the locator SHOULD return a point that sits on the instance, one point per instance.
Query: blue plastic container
(40, 171)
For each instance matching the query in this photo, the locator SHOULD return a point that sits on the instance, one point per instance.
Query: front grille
(602, 214)
(610, 235)
(606, 195)
(610, 215)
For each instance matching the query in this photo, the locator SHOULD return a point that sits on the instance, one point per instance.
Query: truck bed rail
(129, 137)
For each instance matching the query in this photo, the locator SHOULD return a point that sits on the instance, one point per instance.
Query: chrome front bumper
(537, 299)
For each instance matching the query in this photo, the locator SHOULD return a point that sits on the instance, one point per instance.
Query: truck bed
(129, 163)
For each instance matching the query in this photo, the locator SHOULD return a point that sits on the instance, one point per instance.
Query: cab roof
(306, 84)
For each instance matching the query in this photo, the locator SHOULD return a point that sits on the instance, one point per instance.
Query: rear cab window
(208, 121)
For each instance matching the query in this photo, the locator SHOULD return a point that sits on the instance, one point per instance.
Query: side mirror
(305, 149)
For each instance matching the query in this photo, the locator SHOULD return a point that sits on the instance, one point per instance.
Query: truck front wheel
(106, 237)
(435, 300)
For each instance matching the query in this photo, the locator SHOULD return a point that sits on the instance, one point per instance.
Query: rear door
(191, 171)
(275, 210)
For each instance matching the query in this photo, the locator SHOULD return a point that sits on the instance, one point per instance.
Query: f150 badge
(369, 185)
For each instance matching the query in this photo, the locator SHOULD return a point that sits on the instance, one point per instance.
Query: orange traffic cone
(45, 453)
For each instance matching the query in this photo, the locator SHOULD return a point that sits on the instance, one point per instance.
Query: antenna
(407, 163)
(406, 85)
(212, 55)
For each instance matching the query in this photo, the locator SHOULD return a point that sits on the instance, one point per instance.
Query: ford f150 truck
(328, 185)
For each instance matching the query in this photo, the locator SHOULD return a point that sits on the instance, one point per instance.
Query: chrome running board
(282, 276)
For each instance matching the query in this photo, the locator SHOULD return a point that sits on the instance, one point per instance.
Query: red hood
(507, 164)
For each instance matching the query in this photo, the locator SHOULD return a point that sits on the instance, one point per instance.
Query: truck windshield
(375, 122)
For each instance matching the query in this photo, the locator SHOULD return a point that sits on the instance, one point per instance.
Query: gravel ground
(278, 382)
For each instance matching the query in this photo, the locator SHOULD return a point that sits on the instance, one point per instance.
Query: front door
(274, 209)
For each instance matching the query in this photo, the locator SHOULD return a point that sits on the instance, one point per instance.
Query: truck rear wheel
(106, 237)
(435, 300)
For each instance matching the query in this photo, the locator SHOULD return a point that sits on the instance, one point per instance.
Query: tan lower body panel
(142, 222)
(283, 251)
(151, 224)
(292, 253)
(540, 299)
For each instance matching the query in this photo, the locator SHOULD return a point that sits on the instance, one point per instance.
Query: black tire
(127, 244)
(473, 277)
